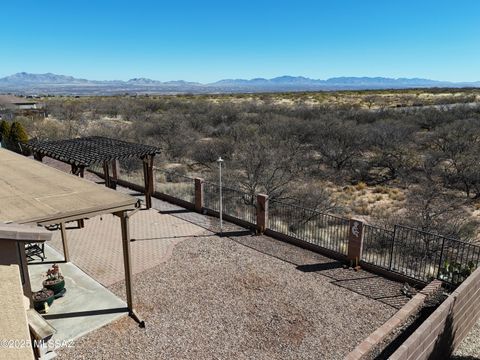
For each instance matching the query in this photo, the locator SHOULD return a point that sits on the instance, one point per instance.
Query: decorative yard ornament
(356, 229)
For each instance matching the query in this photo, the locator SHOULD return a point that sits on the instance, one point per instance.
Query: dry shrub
(361, 186)
(382, 190)
(361, 208)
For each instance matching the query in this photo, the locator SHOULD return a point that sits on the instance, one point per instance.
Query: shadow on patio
(86, 305)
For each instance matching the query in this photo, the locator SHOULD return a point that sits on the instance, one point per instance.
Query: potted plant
(42, 299)
(55, 280)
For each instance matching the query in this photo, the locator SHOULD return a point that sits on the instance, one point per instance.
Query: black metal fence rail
(131, 170)
(413, 253)
(459, 260)
(175, 185)
(416, 254)
(419, 254)
(98, 168)
(235, 203)
(377, 246)
(328, 231)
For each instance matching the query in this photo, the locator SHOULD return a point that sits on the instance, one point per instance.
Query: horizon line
(79, 77)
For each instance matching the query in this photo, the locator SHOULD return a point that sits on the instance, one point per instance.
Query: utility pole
(220, 161)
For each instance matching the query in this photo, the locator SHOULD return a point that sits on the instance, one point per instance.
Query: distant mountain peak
(47, 78)
(143, 81)
(28, 83)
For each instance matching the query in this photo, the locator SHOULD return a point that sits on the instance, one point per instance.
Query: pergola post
(152, 175)
(124, 221)
(115, 169)
(27, 286)
(148, 179)
(63, 232)
(37, 156)
(77, 170)
(126, 257)
(106, 174)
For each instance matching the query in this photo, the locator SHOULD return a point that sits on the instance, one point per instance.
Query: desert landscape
(387, 156)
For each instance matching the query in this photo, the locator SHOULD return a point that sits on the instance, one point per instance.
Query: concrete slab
(86, 306)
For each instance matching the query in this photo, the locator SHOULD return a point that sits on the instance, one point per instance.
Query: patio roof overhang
(34, 193)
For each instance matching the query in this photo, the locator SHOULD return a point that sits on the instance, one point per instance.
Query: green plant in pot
(55, 280)
(42, 299)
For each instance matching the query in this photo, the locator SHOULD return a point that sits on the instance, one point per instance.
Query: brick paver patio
(97, 248)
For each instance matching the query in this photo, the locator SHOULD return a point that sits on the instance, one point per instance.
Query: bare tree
(430, 208)
(458, 145)
(69, 113)
(313, 197)
(339, 143)
(268, 165)
(205, 152)
(390, 144)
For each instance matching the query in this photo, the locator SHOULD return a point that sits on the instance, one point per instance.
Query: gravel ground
(243, 297)
(470, 346)
(238, 298)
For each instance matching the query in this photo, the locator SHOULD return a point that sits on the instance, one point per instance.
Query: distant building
(11, 102)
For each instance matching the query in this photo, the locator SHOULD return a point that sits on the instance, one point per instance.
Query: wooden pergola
(82, 153)
(32, 193)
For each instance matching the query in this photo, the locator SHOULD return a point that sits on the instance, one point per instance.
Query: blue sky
(211, 40)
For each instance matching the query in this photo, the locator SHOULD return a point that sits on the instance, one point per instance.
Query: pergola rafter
(90, 150)
(82, 153)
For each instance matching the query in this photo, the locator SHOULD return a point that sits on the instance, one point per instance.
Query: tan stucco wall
(14, 333)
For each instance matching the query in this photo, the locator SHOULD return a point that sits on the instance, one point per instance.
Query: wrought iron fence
(328, 231)
(235, 203)
(419, 254)
(175, 184)
(97, 168)
(414, 253)
(131, 170)
(377, 245)
(459, 259)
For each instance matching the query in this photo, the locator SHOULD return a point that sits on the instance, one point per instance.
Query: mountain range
(49, 83)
